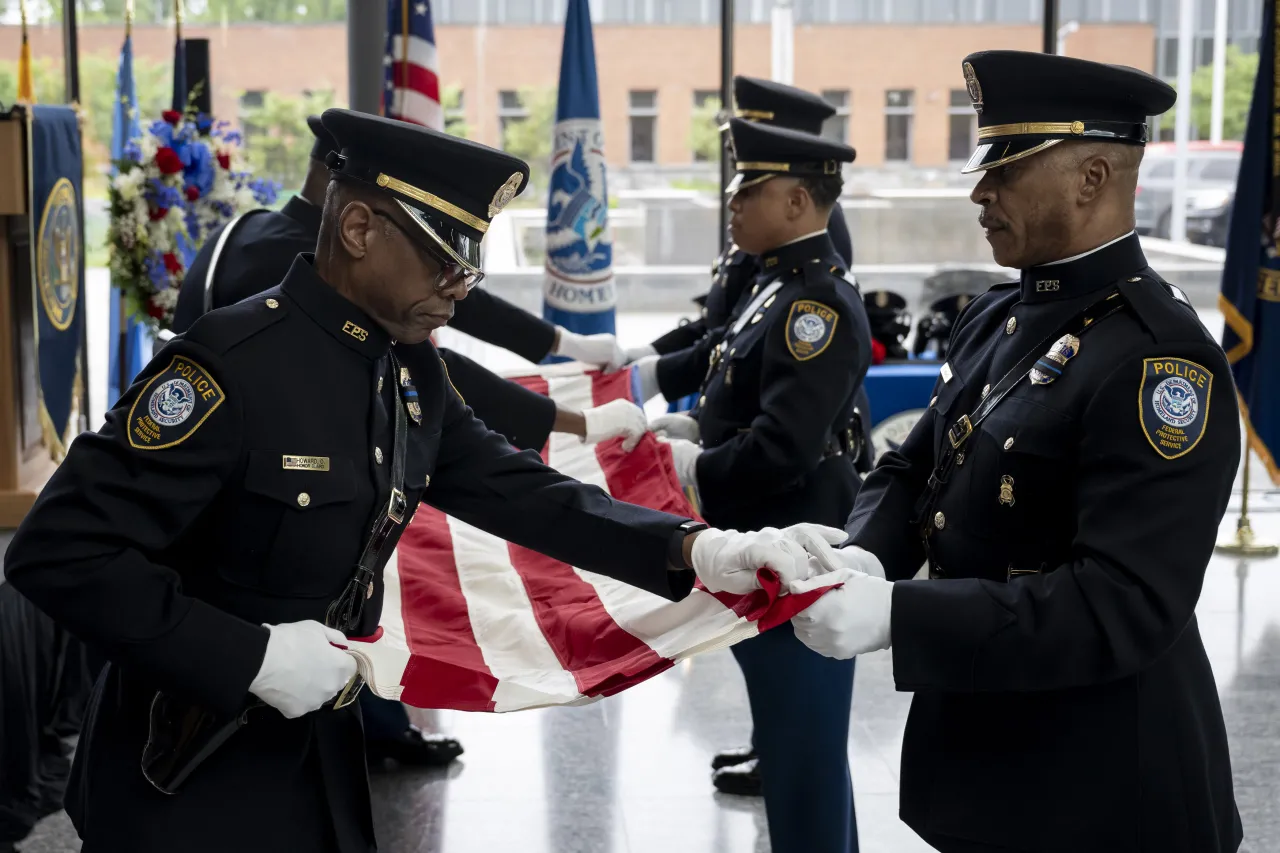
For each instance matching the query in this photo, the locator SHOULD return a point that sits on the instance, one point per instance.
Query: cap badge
(975, 89)
(505, 193)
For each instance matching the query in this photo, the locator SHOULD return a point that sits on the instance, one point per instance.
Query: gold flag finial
(128, 18)
(177, 16)
(26, 88)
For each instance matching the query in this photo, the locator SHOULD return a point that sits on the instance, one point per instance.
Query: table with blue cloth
(891, 388)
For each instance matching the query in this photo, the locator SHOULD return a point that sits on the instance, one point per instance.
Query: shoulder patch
(810, 328)
(1173, 404)
(173, 405)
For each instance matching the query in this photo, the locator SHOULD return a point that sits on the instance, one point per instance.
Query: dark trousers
(800, 707)
(384, 719)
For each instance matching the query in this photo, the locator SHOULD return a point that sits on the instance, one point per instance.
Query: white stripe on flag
(504, 625)
(392, 648)
(673, 631)
(412, 104)
(421, 51)
(565, 451)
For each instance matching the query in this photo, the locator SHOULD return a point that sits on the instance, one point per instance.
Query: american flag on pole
(412, 89)
(473, 623)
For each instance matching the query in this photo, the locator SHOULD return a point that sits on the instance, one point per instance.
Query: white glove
(617, 418)
(676, 426)
(600, 350)
(848, 621)
(637, 353)
(647, 372)
(685, 455)
(814, 539)
(301, 669)
(727, 561)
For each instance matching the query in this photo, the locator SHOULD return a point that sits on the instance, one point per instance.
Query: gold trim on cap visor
(829, 167)
(757, 115)
(1031, 128)
(434, 201)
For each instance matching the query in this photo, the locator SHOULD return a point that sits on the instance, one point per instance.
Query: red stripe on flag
(408, 75)
(602, 657)
(446, 668)
(538, 385)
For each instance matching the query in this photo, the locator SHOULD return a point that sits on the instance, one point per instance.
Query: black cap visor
(451, 243)
(991, 154)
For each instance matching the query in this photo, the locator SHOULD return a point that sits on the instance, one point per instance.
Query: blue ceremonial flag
(125, 128)
(1250, 298)
(57, 256)
(578, 290)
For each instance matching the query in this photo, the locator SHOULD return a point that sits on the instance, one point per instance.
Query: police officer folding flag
(57, 263)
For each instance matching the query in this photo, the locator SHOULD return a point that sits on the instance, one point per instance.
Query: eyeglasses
(451, 273)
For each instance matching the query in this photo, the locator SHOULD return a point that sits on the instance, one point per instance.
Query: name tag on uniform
(946, 372)
(306, 463)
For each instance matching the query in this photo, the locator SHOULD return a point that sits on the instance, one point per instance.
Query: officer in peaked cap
(254, 252)
(230, 522)
(1065, 488)
(772, 448)
(777, 105)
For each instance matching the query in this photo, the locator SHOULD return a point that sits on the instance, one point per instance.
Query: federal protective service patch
(173, 405)
(1173, 403)
(810, 328)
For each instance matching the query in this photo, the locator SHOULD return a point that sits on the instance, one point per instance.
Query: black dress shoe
(730, 757)
(741, 779)
(416, 748)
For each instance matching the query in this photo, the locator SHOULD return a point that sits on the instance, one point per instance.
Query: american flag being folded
(473, 623)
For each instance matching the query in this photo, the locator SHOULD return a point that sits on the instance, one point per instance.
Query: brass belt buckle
(349, 693)
(960, 432)
(397, 506)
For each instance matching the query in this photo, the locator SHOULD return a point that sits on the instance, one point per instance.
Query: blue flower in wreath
(199, 167)
(204, 123)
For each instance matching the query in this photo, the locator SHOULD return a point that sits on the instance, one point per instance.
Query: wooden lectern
(25, 462)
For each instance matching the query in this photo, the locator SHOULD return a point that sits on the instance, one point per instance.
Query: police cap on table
(779, 104)
(1027, 102)
(451, 187)
(324, 143)
(761, 152)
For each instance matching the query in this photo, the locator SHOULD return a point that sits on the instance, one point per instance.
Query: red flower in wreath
(155, 310)
(158, 213)
(168, 161)
(193, 192)
(224, 159)
(171, 263)
(171, 116)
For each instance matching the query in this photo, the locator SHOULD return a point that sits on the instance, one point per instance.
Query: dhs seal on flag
(579, 246)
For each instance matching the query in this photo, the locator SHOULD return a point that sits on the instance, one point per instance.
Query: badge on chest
(810, 329)
(1173, 399)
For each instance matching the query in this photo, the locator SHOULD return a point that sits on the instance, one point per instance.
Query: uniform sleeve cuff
(220, 656)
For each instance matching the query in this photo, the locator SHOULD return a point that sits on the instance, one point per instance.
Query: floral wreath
(177, 183)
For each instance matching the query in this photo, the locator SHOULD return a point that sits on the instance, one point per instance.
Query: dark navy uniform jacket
(260, 251)
(169, 537)
(779, 390)
(731, 276)
(1063, 699)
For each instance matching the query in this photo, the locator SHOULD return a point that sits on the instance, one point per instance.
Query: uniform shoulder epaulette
(1161, 308)
(222, 330)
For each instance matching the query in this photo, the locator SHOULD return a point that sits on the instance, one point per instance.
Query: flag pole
(726, 105)
(122, 338)
(1243, 544)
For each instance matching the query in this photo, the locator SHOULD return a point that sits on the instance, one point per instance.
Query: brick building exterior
(900, 84)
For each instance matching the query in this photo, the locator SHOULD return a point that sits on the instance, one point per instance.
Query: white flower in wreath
(245, 200)
(148, 145)
(166, 298)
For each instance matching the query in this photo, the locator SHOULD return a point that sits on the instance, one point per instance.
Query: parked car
(1209, 216)
(1211, 172)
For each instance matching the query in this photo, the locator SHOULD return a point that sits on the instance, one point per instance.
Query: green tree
(704, 131)
(1241, 69)
(454, 122)
(529, 138)
(46, 78)
(197, 11)
(277, 141)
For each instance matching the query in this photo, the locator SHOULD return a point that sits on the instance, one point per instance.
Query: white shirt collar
(1090, 252)
(801, 239)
